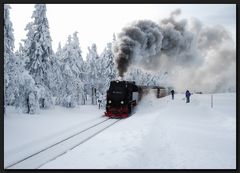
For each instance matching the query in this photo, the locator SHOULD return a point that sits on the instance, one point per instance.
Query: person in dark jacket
(188, 94)
(172, 92)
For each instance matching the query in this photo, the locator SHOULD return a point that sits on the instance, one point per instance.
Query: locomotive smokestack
(120, 78)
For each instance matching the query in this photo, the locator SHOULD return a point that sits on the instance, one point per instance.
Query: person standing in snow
(188, 94)
(172, 92)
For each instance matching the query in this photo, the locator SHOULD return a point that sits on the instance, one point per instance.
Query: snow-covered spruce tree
(72, 71)
(101, 70)
(38, 50)
(27, 99)
(77, 53)
(18, 84)
(56, 78)
(59, 81)
(10, 78)
(92, 72)
(110, 70)
(107, 72)
(81, 70)
(59, 51)
(27, 42)
(20, 55)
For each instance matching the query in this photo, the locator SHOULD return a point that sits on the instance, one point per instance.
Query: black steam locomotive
(122, 97)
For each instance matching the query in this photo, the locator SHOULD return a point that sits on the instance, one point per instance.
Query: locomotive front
(122, 96)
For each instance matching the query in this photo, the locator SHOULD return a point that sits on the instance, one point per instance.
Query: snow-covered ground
(162, 134)
(25, 134)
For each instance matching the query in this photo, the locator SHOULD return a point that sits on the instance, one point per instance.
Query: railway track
(38, 159)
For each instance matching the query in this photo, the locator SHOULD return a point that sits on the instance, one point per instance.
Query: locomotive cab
(122, 96)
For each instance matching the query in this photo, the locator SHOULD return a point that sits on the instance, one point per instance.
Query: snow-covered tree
(77, 53)
(92, 57)
(106, 72)
(19, 86)
(27, 100)
(59, 51)
(38, 50)
(109, 67)
(10, 75)
(8, 31)
(58, 82)
(20, 55)
(92, 72)
(72, 72)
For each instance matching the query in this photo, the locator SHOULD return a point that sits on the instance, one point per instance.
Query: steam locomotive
(122, 97)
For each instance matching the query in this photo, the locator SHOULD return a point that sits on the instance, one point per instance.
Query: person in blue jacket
(188, 94)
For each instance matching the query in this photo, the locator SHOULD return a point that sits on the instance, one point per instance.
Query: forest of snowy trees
(36, 77)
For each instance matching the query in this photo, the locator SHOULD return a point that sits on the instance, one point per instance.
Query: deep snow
(25, 133)
(162, 134)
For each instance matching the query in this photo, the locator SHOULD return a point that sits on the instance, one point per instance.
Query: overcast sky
(96, 23)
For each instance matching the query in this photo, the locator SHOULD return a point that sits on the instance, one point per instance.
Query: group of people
(187, 94)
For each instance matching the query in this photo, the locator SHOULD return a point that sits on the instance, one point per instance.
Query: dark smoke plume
(195, 56)
(142, 39)
(144, 42)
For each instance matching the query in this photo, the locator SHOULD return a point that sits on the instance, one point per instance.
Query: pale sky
(96, 23)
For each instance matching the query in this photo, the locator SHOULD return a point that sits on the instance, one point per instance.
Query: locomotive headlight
(122, 102)
(109, 101)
